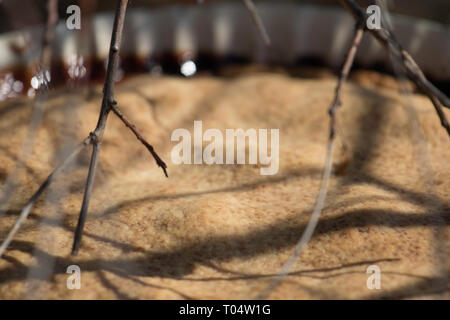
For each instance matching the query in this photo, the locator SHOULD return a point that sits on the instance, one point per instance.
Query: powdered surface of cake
(223, 231)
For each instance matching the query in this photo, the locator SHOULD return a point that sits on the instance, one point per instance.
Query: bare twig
(320, 201)
(440, 113)
(97, 134)
(38, 103)
(411, 67)
(418, 76)
(344, 75)
(387, 39)
(421, 153)
(307, 234)
(108, 104)
(132, 127)
(38, 110)
(258, 21)
(26, 210)
(413, 71)
(94, 138)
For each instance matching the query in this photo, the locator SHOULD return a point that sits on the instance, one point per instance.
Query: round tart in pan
(223, 230)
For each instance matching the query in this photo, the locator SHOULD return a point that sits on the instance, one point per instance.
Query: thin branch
(419, 138)
(26, 210)
(97, 134)
(94, 138)
(132, 127)
(417, 76)
(108, 104)
(320, 201)
(258, 21)
(411, 67)
(397, 61)
(414, 72)
(344, 75)
(307, 234)
(38, 104)
(440, 113)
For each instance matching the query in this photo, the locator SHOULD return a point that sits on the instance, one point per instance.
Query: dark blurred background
(16, 14)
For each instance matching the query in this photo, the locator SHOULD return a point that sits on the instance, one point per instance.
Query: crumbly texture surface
(224, 231)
